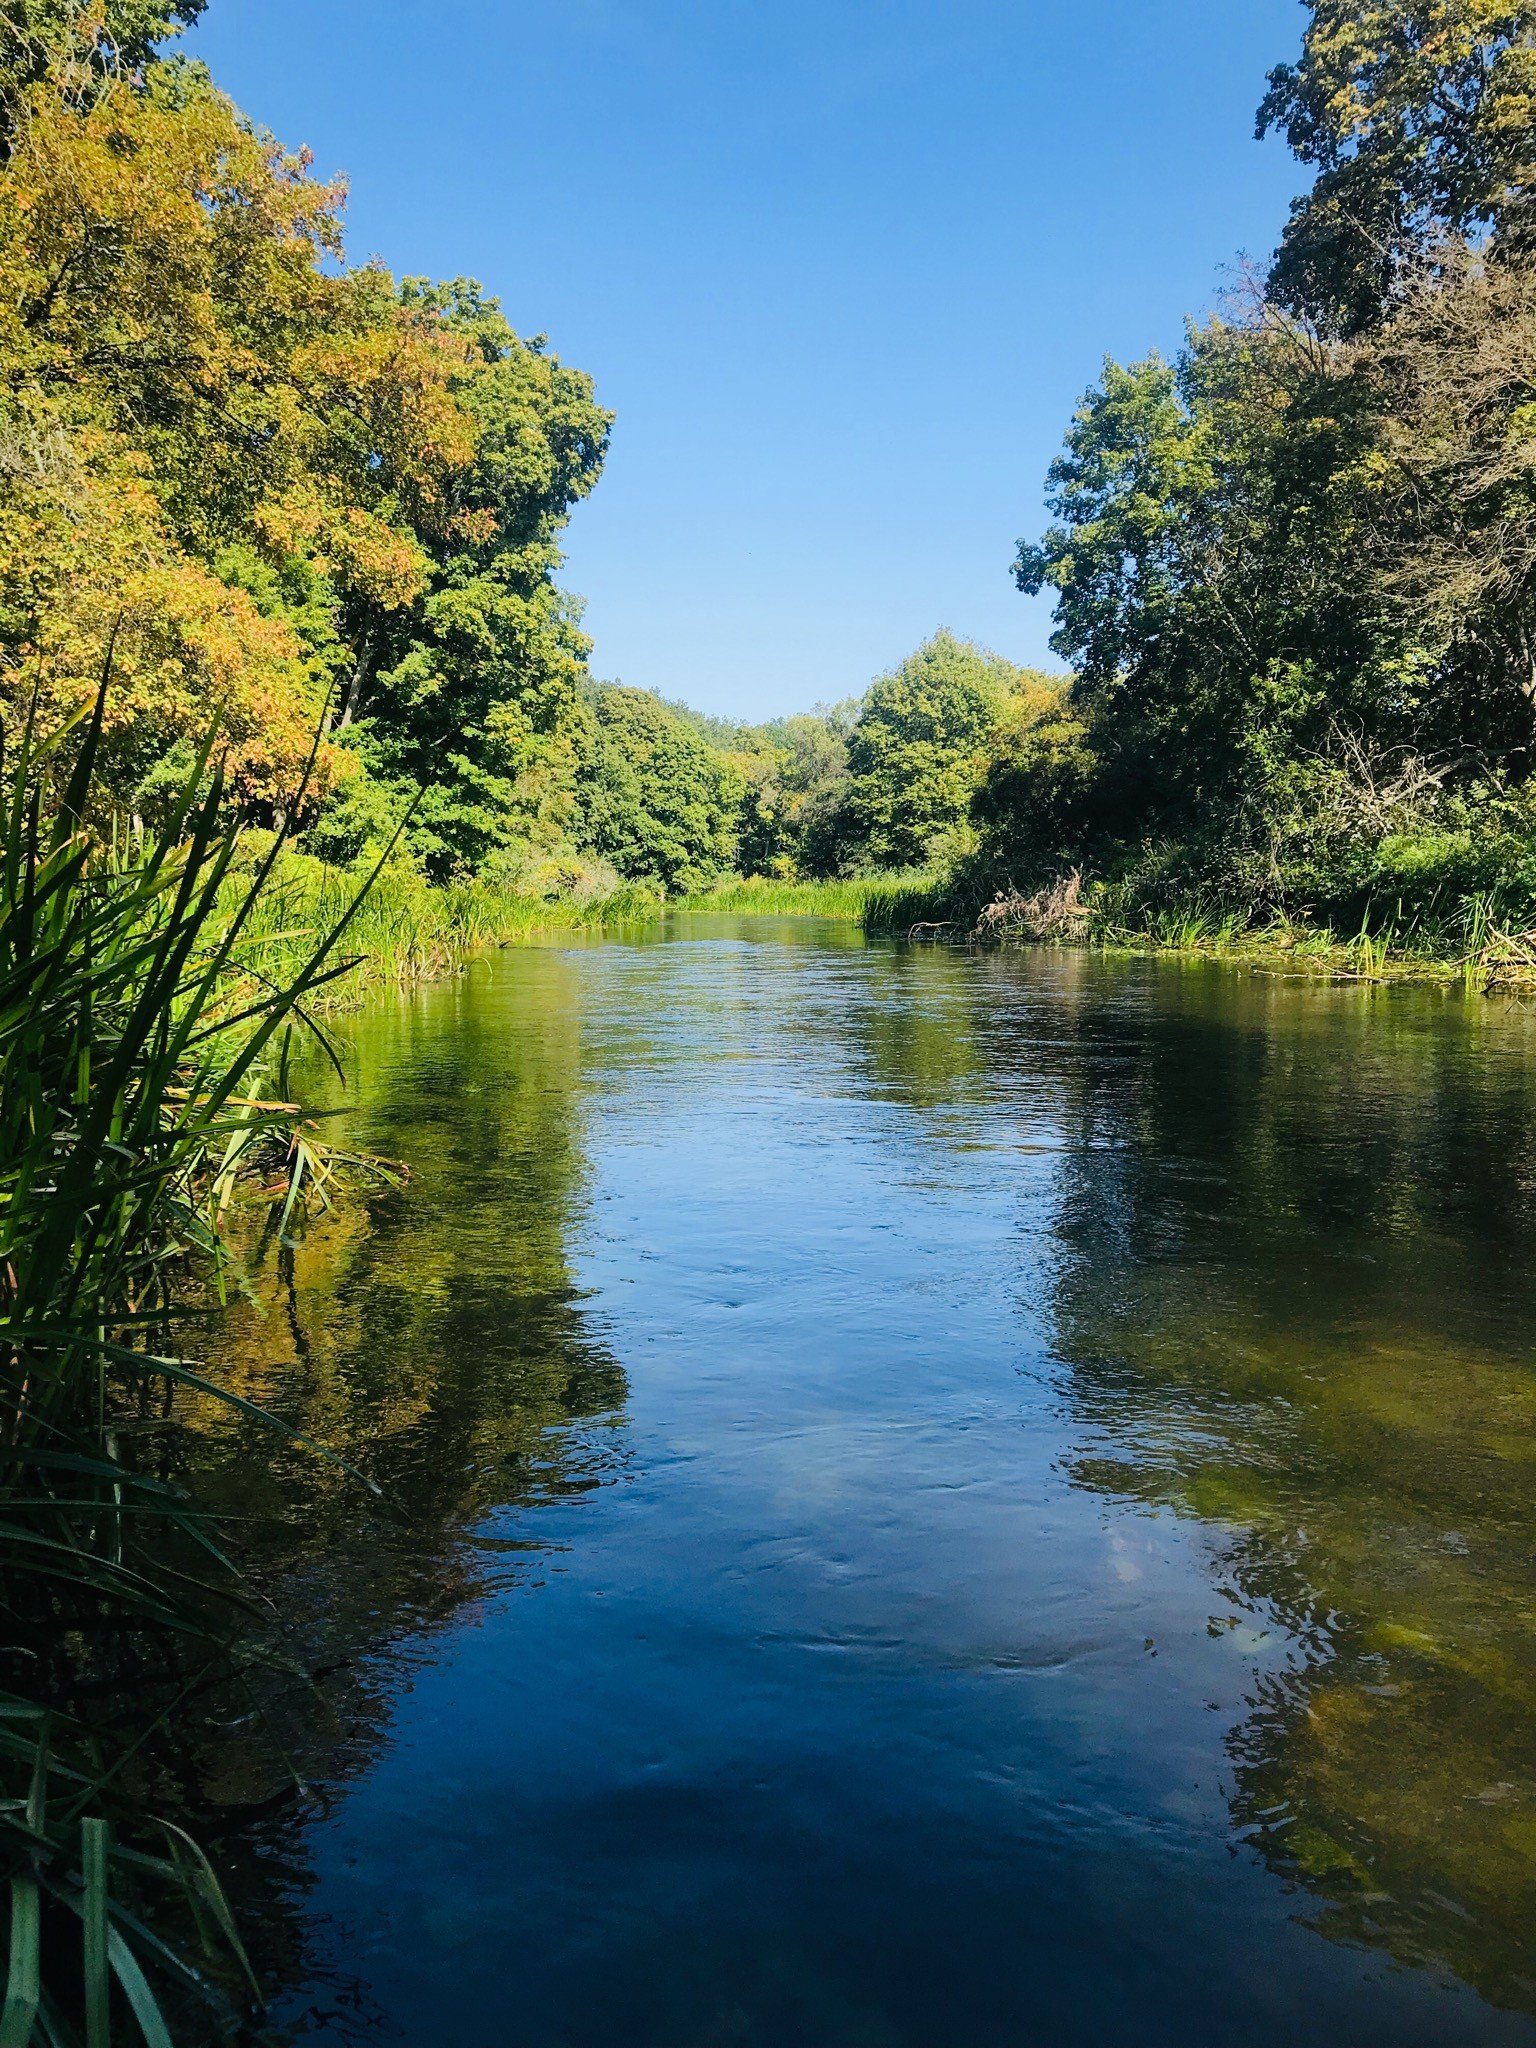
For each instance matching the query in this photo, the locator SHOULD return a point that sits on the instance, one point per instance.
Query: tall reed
(143, 1052)
(408, 929)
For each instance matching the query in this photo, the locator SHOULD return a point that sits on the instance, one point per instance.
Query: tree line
(327, 500)
(1295, 567)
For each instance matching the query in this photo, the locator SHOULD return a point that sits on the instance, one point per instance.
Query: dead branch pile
(1508, 960)
(1053, 912)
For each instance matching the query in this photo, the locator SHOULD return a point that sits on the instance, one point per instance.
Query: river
(928, 1498)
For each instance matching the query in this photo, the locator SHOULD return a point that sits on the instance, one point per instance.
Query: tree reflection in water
(433, 1339)
(1293, 1303)
(1280, 1242)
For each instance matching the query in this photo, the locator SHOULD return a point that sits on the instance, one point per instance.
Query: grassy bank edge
(865, 899)
(409, 930)
(1467, 949)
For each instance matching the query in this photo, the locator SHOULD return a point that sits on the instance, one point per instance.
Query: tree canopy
(1419, 117)
(656, 799)
(1295, 568)
(919, 748)
(290, 488)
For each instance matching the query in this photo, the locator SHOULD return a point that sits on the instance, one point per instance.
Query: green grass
(859, 899)
(406, 929)
(1386, 947)
(1465, 940)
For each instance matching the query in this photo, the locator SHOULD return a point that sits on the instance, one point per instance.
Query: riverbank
(407, 929)
(870, 899)
(1469, 945)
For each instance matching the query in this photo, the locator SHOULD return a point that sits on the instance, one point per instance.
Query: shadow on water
(1293, 1302)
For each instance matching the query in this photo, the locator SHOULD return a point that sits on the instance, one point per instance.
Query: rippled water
(931, 1499)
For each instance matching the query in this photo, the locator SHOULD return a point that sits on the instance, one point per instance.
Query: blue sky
(841, 268)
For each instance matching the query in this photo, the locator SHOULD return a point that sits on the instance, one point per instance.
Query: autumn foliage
(254, 461)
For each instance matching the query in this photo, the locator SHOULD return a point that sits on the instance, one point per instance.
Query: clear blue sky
(841, 268)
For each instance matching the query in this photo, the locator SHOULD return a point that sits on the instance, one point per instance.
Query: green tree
(656, 799)
(918, 751)
(794, 814)
(473, 694)
(1215, 568)
(1451, 383)
(1419, 117)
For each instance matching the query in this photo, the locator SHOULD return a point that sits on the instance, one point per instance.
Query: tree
(285, 484)
(1419, 117)
(1215, 574)
(656, 799)
(1452, 381)
(109, 39)
(214, 440)
(918, 751)
(1296, 568)
(472, 692)
(1297, 581)
(794, 805)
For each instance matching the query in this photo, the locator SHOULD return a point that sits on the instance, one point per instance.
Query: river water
(928, 1499)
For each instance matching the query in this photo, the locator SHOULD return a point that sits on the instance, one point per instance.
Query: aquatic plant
(143, 1084)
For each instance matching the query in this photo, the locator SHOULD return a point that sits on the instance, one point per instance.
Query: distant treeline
(880, 782)
(1295, 567)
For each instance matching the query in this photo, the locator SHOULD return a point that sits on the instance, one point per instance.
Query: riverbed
(927, 1498)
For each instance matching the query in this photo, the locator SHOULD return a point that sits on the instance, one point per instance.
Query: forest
(323, 499)
(1292, 566)
(287, 670)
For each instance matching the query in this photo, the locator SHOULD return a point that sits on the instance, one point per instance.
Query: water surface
(931, 1499)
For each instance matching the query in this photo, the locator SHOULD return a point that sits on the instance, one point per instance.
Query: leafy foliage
(656, 799)
(140, 1038)
(284, 481)
(473, 691)
(1420, 118)
(794, 818)
(918, 750)
(1294, 568)
(207, 433)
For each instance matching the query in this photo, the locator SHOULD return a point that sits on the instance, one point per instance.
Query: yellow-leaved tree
(212, 435)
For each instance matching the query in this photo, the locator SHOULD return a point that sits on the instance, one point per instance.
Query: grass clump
(408, 929)
(859, 897)
(143, 1087)
(1486, 938)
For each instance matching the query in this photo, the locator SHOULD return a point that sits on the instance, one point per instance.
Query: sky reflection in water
(934, 1499)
